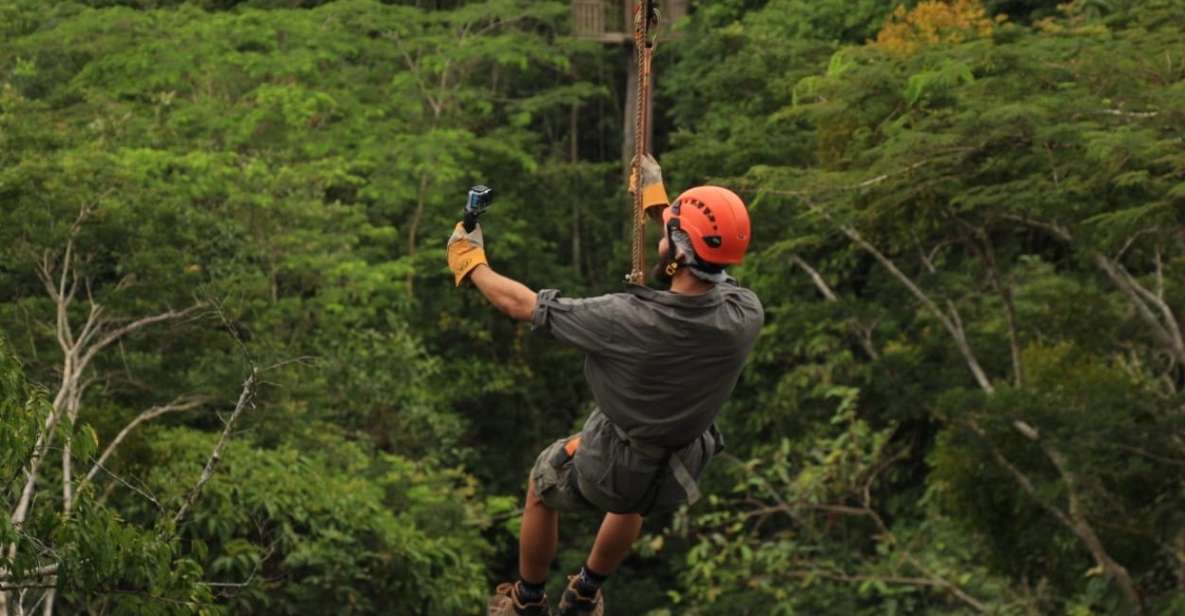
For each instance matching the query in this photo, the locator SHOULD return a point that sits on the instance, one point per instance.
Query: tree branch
(1168, 334)
(180, 404)
(138, 324)
(94, 323)
(246, 398)
(1004, 290)
(1157, 300)
(1130, 114)
(862, 332)
(1075, 520)
(127, 484)
(42, 571)
(954, 327)
(1052, 228)
(816, 278)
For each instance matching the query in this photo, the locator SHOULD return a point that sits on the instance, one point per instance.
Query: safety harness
(711, 440)
(674, 461)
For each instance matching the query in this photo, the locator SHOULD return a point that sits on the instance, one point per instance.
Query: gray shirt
(660, 364)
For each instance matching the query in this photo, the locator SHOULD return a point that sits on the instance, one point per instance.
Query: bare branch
(62, 297)
(988, 254)
(880, 178)
(1167, 333)
(934, 578)
(858, 186)
(180, 404)
(839, 576)
(246, 398)
(27, 586)
(42, 571)
(1130, 114)
(1132, 240)
(816, 278)
(1159, 273)
(48, 599)
(1027, 430)
(863, 333)
(67, 260)
(138, 324)
(927, 262)
(1074, 520)
(927, 258)
(929, 578)
(1057, 183)
(40, 448)
(1157, 299)
(303, 360)
(94, 323)
(44, 273)
(1087, 534)
(127, 484)
(1053, 228)
(789, 507)
(954, 327)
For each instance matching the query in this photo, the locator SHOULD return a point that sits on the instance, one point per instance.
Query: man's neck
(686, 283)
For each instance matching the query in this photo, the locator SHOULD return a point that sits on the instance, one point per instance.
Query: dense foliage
(235, 376)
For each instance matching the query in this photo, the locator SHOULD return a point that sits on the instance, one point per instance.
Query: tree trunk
(413, 227)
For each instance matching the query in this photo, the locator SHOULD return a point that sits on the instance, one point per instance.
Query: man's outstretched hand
(466, 251)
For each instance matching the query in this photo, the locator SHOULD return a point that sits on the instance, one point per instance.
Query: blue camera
(480, 198)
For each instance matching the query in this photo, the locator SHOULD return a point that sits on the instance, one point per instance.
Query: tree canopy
(235, 376)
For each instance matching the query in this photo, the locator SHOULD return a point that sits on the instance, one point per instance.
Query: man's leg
(538, 539)
(614, 540)
(536, 549)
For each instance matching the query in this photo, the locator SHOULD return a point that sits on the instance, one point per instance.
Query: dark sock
(588, 582)
(527, 592)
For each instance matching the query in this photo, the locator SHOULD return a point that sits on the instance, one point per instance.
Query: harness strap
(678, 468)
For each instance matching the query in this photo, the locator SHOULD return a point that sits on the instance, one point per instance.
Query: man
(660, 365)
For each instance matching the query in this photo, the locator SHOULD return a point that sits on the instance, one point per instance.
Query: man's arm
(510, 296)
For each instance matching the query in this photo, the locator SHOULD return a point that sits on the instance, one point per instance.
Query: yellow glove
(466, 251)
(654, 193)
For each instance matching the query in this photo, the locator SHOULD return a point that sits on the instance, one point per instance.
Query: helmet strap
(672, 250)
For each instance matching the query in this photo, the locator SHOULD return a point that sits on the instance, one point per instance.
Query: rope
(645, 20)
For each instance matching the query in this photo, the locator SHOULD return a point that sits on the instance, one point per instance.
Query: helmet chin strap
(672, 250)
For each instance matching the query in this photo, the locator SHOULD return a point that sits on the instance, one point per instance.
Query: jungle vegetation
(235, 377)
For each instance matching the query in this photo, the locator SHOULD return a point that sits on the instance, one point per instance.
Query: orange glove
(654, 193)
(466, 251)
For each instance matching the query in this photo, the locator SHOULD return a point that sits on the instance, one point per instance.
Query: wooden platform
(611, 21)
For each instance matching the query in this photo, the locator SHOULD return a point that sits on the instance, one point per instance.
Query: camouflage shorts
(554, 481)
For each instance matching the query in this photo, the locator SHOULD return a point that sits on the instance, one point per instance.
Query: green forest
(236, 376)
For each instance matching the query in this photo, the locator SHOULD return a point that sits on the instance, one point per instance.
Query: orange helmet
(716, 220)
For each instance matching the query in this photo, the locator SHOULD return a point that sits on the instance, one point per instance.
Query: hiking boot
(572, 603)
(505, 603)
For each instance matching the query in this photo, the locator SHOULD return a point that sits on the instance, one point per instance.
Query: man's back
(660, 364)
